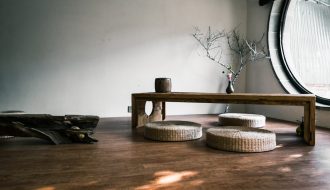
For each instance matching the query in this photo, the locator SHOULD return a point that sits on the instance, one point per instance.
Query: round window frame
(278, 61)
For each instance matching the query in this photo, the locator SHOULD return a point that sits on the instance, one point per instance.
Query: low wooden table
(139, 117)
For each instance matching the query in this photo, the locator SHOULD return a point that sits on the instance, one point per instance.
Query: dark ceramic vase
(230, 87)
(163, 85)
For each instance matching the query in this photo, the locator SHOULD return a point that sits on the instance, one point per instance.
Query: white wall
(88, 56)
(262, 79)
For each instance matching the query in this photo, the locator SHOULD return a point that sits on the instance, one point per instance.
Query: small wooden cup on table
(163, 85)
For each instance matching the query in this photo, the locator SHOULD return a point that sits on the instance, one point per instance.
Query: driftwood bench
(139, 117)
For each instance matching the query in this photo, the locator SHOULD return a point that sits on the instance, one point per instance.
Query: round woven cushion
(172, 130)
(242, 119)
(241, 139)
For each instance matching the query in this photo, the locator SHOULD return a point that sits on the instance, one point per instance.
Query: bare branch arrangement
(245, 50)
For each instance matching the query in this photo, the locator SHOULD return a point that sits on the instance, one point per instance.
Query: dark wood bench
(139, 117)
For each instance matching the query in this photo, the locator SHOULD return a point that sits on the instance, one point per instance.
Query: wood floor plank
(124, 159)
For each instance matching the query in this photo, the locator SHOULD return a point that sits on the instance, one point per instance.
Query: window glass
(306, 44)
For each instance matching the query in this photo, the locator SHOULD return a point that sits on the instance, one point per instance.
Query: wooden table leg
(134, 112)
(309, 123)
(142, 117)
(139, 116)
(163, 110)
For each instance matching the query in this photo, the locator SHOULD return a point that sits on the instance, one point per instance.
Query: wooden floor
(123, 159)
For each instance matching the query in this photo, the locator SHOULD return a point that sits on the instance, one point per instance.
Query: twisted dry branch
(246, 51)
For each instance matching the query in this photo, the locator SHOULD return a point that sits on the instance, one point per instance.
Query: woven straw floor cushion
(172, 130)
(242, 119)
(241, 139)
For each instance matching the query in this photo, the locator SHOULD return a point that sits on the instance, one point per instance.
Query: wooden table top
(287, 99)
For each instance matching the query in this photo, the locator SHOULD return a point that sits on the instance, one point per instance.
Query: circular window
(299, 44)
